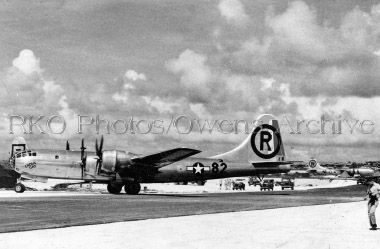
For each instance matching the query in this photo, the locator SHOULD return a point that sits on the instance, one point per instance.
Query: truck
(287, 183)
(238, 186)
(253, 181)
(267, 184)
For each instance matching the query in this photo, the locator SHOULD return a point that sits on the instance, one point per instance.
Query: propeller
(99, 153)
(83, 157)
(67, 145)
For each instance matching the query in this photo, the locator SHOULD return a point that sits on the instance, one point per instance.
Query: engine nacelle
(113, 160)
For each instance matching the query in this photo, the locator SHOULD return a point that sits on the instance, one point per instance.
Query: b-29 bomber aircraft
(314, 169)
(261, 153)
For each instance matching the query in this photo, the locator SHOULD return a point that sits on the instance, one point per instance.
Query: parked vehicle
(238, 186)
(267, 184)
(253, 181)
(287, 183)
(361, 180)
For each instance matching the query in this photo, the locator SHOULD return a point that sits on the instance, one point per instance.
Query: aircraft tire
(132, 188)
(114, 189)
(19, 188)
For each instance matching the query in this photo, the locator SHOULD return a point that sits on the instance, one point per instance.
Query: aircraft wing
(165, 158)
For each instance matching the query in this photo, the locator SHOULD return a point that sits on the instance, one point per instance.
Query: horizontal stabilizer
(165, 158)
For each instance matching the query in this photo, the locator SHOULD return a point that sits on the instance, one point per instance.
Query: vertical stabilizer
(264, 143)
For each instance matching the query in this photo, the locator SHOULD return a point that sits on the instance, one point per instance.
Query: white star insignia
(198, 169)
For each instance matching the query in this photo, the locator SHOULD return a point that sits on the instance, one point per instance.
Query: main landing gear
(114, 188)
(131, 188)
(19, 188)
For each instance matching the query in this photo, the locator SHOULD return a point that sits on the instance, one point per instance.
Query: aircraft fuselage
(62, 164)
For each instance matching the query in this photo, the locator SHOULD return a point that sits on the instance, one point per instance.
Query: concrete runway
(30, 213)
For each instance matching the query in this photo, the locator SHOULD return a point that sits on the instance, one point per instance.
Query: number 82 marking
(215, 167)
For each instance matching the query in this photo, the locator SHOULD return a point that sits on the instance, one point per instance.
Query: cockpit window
(34, 154)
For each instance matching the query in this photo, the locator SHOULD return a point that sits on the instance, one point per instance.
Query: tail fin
(313, 164)
(264, 143)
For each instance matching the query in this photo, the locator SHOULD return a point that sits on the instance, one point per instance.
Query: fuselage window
(56, 157)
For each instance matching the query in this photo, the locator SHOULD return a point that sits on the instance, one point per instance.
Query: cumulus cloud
(161, 105)
(233, 11)
(127, 92)
(301, 65)
(133, 75)
(27, 62)
(200, 110)
(216, 91)
(27, 92)
(192, 67)
(297, 28)
(120, 97)
(314, 57)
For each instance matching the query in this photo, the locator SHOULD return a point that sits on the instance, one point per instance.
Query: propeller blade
(83, 157)
(82, 171)
(67, 145)
(82, 149)
(99, 148)
(96, 147)
(99, 153)
(101, 143)
(82, 145)
(83, 163)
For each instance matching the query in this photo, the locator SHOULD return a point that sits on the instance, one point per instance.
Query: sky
(201, 60)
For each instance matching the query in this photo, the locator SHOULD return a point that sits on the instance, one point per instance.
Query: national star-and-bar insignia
(198, 168)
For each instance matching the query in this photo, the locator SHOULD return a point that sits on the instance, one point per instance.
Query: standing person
(373, 193)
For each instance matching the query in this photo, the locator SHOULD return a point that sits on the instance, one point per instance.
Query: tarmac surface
(31, 213)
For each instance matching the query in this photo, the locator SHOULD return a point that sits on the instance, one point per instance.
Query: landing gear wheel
(132, 188)
(114, 188)
(19, 188)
